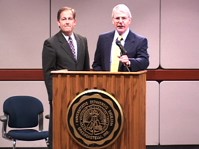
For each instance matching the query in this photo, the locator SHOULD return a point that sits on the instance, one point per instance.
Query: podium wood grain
(129, 88)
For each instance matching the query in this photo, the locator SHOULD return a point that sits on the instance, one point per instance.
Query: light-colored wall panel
(94, 18)
(146, 21)
(179, 34)
(152, 113)
(31, 88)
(26, 24)
(179, 114)
(23, 28)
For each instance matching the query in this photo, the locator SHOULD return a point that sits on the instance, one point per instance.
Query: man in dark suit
(134, 58)
(65, 50)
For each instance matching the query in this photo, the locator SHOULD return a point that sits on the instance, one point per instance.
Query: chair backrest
(22, 111)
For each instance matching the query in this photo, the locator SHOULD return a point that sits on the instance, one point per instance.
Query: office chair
(23, 116)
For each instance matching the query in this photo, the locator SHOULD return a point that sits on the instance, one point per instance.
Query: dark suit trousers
(50, 137)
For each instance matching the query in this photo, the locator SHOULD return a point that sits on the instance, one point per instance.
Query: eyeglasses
(121, 18)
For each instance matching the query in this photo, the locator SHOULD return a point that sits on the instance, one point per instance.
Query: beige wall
(171, 27)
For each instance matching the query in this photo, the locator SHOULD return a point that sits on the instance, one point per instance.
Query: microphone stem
(127, 68)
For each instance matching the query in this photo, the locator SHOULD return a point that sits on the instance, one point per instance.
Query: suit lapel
(79, 47)
(129, 41)
(65, 46)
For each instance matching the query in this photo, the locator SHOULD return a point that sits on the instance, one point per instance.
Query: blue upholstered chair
(23, 116)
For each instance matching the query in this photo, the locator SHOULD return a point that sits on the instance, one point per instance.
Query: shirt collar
(124, 35)
(66, 37)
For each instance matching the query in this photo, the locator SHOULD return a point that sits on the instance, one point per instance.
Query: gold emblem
(94, 119)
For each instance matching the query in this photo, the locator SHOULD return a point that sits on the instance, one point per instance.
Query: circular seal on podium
(94, 119)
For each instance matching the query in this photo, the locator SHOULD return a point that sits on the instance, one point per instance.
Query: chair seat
(27, 134)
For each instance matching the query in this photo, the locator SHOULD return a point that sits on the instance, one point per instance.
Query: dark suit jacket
(135, 45)
(57, 55)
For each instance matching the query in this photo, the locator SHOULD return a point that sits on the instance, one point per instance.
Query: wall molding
(152, 75)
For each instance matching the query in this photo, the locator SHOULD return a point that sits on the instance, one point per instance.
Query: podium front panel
(128, 88)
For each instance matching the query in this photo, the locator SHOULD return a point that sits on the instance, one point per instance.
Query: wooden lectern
(129, 88)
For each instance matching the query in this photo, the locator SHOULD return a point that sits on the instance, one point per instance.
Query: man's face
(121, 21)
(66, 22)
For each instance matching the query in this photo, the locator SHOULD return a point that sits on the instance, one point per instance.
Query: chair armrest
(3, 118)
(47, 116)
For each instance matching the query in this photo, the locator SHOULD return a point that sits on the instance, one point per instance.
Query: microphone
(123, 51)
(118, 43)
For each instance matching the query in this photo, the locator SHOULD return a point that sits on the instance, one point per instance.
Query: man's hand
(125, 60)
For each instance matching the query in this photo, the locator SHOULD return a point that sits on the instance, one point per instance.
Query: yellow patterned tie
(115, 57)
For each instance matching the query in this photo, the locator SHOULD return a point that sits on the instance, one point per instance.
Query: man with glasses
(133, 55)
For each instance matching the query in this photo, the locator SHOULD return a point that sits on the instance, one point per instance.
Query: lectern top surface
(64, 71)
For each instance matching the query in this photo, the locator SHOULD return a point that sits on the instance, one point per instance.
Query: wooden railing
(152, 75)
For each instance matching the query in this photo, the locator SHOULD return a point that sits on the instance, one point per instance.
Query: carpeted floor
(174, 147)
(148, 147)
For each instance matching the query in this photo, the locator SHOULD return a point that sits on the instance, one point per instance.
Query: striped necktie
(70, 42)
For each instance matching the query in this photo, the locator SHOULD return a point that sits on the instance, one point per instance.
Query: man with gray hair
(132, 55)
